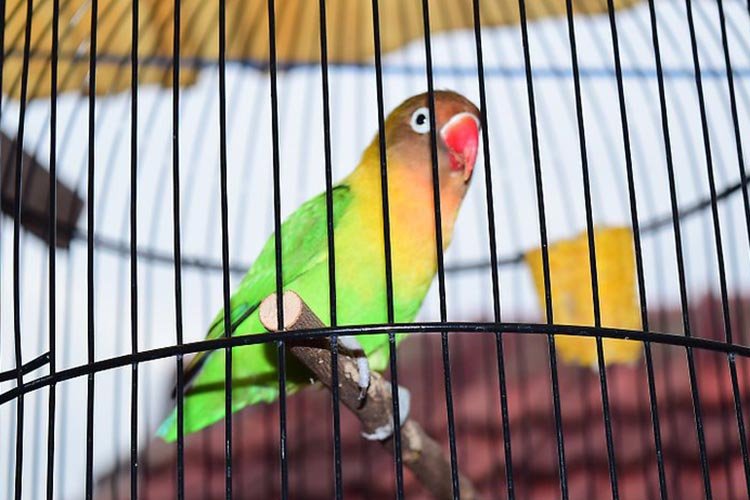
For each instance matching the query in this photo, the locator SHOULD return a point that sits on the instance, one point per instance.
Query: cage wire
(632, 117)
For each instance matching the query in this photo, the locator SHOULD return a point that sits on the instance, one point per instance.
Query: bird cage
(586, 332)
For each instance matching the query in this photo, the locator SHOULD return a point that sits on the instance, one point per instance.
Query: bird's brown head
(408, 145)
(408, 139)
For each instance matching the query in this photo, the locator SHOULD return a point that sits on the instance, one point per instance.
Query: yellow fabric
(572, 299)
(349, 22)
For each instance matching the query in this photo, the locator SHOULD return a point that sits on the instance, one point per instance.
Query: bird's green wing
(304, 243)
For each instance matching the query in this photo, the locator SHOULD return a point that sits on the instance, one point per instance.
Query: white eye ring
(420, 120)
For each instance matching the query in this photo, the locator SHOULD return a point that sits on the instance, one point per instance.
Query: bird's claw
(354, 348)
(363, 366)
(385, 431)
(361, 397)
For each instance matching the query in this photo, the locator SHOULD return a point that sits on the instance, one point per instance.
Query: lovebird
(359, 257)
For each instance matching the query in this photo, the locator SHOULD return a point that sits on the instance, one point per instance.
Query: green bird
(359, 257)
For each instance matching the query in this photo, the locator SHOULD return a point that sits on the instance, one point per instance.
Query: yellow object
(349, 22)
(572, 299)
(113, 46)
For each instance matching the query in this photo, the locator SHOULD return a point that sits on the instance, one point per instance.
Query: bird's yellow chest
(360, 266)
(411, 231)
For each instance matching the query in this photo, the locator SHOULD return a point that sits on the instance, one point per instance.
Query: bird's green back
(304, 240)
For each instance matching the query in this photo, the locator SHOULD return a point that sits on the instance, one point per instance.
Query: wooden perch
(35, 195)
(422, 454)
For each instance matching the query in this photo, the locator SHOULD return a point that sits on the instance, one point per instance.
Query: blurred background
(368, 469)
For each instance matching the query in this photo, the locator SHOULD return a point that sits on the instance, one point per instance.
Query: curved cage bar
(157, 146)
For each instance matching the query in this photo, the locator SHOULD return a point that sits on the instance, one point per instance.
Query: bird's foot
(385, 431)
(352, 346)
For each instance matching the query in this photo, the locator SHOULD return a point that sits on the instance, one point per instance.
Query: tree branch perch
(420, 453)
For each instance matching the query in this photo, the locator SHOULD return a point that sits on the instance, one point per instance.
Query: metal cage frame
(731, 347)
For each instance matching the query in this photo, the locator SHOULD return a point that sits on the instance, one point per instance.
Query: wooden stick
(420, 453)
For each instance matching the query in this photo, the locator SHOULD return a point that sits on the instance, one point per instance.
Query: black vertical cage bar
(281, 353)
(397, 451)
(236, 116)
(439, 251)
(11, 427)
(60, 472)
(545, 252)
(195, 151)
(2, 67)
(338, 483)
(459, 374)
(728, 385)
(197, 148)
(2, 58)
(746, 205)
(90, 251)
(225, 248)
(679, 254)
(510, 205)
(716, 222)
(51, 236)
(64, 145)
(143, 384)
(725, 458)
(667, 361)
(740, 316)
(119, 286)
(738, 299)
(37, 428)
(592, 251)
(638, 253)
(17, 251)
(135, 18)
(491, 230)
(547, 44)
(733, 256)
(598, 115)
(577, 117)
(90, 254)
(638, 250)
(177, 246)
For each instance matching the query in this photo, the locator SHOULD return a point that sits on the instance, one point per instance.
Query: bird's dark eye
(420, 120)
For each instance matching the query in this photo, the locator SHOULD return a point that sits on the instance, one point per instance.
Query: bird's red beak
(461, 137)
